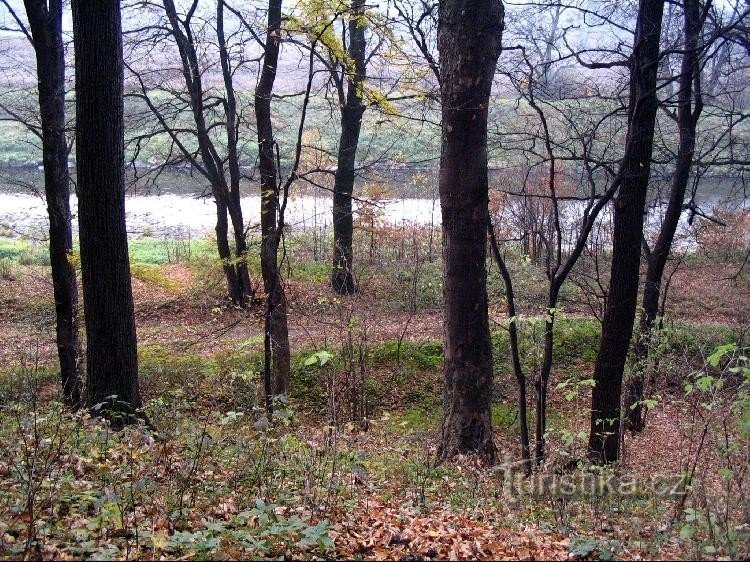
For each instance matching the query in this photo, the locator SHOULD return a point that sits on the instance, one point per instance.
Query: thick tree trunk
(656, 259)
(112, 367)
(277, 335)
(617, 326)
(469, 41)
(342, 277)
(45, 23)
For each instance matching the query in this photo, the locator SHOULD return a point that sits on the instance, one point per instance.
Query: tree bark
(112, 366)
(277, 333)
(234, 287)
(656, 258)
(515, 354)
(619, 315)
(469, 42)
(342, 276)
(45, 22)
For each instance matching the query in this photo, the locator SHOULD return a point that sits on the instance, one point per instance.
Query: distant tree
(632, 180)
(112, 366)
(344, 59)
(469, 42)
(45, 34)
(539, 28)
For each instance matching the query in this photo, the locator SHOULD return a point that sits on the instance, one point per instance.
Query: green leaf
(320, 358)
(686, 532)
(324, 356)
(582, 547)
(720, 352)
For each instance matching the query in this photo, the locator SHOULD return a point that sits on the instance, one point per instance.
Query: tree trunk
(234, 206)
(542, 385)
(342, 277)
(277, 336)
(617, 325)
(469, 41)
(515, 354)
(656, 259)
(234, 286)
(112, 367)
(46, 29)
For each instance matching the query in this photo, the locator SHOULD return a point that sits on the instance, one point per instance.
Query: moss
(413, 355)
(153, 275)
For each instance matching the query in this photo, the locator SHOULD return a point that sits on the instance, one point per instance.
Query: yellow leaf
(160, 540)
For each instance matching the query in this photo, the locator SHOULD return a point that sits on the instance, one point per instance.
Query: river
(178, 213)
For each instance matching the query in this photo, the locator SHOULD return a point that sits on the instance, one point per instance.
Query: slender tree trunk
(617, 325)
(112, 367)
(227, 197)
(244, 284)
(342, 277)
(234, 287)
(656, 259)
(469, 41)
(542, 385)
(45, 22)
(523, 419)
(277, 333)
(234, 206)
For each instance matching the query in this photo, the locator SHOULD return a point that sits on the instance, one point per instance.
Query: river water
(181, 216)
(179, 213)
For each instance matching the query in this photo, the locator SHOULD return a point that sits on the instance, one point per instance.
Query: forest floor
(213, 479)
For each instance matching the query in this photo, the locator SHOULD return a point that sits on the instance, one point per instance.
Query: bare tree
(559, 234)
(210, 108)
(45, 34)
(276, 374)
(696, 45)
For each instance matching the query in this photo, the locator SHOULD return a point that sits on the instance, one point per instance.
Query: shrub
(152, 275)
(7, 269)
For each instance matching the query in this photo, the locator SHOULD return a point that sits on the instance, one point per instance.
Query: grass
(151, 251)
(24, 251)
(392, 137)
